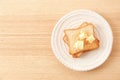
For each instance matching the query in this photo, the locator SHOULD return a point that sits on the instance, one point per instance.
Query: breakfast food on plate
(81, 39)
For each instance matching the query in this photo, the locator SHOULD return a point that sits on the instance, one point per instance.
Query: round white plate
(88, 60)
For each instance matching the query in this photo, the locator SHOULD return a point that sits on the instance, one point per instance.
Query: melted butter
(82, 35)
(91, 38)
(79, 44)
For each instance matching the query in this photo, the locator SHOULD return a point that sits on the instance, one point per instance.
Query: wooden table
(25, 33)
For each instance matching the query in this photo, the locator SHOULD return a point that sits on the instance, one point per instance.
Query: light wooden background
(25, 32)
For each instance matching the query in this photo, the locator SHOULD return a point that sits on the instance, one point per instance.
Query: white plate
(91, 59)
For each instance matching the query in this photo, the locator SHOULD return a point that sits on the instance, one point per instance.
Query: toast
(81, 39)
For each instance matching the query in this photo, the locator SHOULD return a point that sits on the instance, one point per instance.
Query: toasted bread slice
(87, 43)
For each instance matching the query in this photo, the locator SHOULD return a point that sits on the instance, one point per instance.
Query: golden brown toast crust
(76, 55)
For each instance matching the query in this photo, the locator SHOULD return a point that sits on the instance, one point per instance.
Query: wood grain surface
(25, 34)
